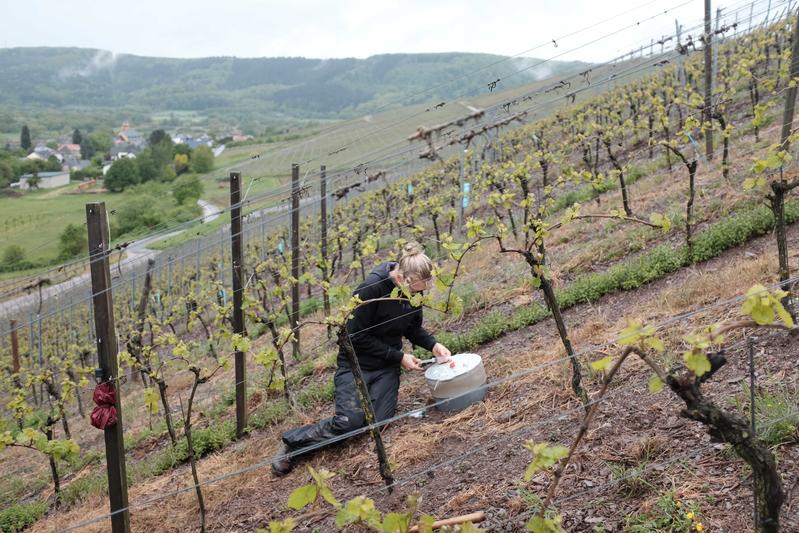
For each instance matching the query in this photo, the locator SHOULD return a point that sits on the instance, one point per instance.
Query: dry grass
(703, 287)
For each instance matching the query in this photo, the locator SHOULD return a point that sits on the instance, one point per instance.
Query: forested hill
(277, 87)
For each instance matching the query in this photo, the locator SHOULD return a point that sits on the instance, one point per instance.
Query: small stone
(595, 519)
(505, 416)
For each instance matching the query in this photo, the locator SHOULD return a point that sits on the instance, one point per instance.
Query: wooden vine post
(108, 366)
(295, 258)
(237, 267)
(323, 220)
(781, 187)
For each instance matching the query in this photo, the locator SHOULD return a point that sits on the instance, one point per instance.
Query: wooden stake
(237, 261)
(295, 257)
(474, 518)
(97, 222)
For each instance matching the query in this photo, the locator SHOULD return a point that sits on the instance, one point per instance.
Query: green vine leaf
(302, 496)
(762, 306)
(631, 334)
(539, 524)
(661, 220)
(601, 364)
(426, 524)
(240, 343)
(544, 456)
(656, 344)
(697, 362)
(6, 439)
(655, 384)
(151, 398)
(321, 478)
(359, 509)
(284, 526)
(396, 523)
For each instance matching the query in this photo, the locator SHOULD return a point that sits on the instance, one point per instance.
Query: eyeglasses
(421, 284)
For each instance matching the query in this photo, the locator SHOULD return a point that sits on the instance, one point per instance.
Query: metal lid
(464, 363)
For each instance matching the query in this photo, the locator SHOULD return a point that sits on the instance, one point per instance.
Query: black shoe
(282, 464)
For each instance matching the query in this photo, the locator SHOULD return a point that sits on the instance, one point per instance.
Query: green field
(35, 219)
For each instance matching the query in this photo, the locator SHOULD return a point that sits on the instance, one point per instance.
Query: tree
(122, 174)
(77, 137)
(53, 164)
(73, 242)
(34, 180)
(25, 138)
(101, 142)
(183, 148)
(202, 160)
(148, 168)
(168, 173)
(6, 173)
(159, 136)
(87, 149)
(162, 152)
(14, 259)
(140, 211)
(181, 163)
(187, 188)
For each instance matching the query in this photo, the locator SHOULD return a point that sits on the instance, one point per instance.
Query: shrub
(21, 515)
(124, 173)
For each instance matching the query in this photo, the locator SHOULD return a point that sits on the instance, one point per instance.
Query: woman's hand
(442, 353)
(410, 362)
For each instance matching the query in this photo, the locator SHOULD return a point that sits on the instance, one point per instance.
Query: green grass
(21, 515)
(670, 516)
(14, 488)
(35, 219)
(631, 480)
(316, 393)
(776, 414)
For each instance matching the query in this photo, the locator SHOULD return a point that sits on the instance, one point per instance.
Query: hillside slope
(292, 87)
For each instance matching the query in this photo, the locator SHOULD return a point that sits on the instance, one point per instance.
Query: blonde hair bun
(411, 248)
(414, 264)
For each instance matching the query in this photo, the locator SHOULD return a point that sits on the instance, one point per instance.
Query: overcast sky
(353, 28)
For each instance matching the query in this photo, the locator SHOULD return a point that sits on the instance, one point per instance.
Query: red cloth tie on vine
(104, 415)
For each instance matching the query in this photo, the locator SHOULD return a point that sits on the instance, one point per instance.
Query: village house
(238, 137)
(123, 150)
(128, 135)
(192, 142)
(69, 151)
(44, 153)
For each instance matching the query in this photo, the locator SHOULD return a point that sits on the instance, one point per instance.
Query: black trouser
(383, 387)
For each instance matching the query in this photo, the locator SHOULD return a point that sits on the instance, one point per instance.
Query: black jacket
(377, 329)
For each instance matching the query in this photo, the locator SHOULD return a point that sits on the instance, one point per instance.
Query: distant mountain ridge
(269, 87)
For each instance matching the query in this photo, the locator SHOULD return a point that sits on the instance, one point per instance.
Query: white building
(47, 180)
